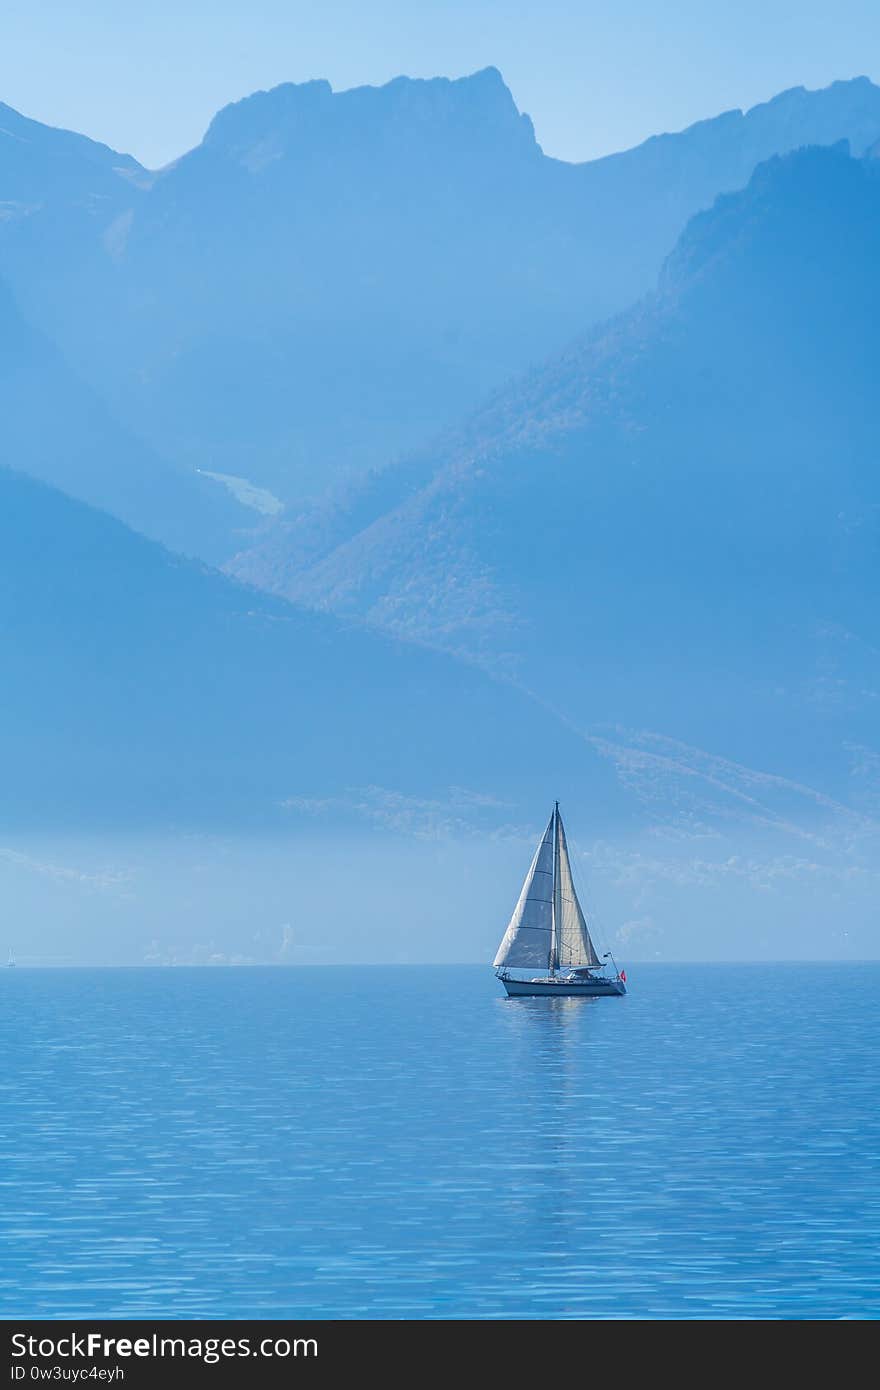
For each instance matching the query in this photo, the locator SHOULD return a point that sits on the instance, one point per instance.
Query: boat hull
(553, 989)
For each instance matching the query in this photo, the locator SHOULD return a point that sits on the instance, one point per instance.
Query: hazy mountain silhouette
(676, 522)
(43, 166)
(331, 277)
(140, 689)
(57, 428)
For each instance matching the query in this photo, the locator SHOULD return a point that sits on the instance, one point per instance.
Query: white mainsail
(574, 945)
(528, 940)
(548, 928)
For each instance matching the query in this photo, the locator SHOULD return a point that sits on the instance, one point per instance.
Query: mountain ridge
(488, 79)
(294, 305)
(439, 104)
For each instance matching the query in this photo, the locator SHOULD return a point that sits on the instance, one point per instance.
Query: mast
(554, 911)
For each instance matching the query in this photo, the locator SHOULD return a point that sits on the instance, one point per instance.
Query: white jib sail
(574, 945)
(526, 942)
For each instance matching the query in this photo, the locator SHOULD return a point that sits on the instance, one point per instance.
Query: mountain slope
(140, 689)
(41, 165)
(647, 194)
(56, 428)
(63, 201)
(329, 278)
(675, 524)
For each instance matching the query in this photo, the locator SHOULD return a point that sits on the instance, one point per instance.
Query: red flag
(623, 976)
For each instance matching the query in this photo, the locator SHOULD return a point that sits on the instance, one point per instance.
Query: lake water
(408, 1143)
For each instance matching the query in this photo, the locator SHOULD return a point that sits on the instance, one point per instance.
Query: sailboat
(548, 931)
(10, 964)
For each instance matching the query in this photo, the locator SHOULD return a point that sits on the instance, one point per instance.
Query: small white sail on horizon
(548, 930)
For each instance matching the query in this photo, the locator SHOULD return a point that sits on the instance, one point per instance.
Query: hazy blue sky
(594, 77)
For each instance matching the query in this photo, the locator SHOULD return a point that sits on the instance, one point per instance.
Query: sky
(594, 77)
(191, 899)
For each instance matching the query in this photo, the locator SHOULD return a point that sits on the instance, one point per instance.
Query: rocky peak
(463, 113)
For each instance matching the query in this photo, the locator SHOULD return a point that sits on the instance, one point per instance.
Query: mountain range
(484, 543)
(329, 279)
(675, 523)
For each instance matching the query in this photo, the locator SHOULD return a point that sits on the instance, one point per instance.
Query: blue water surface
(408, 1143)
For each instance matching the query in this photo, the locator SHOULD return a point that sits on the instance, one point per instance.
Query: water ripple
(406, 1143)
